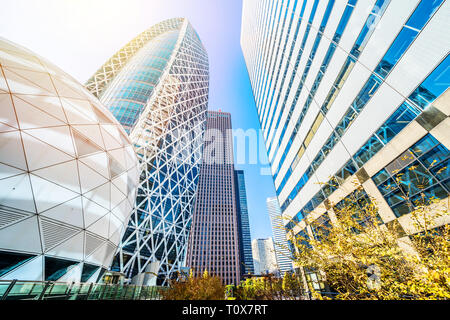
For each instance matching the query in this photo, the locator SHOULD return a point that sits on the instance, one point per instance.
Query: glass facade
(245, 240)
(130, 90)
(342, 72)
(159, 92)
(420, 174)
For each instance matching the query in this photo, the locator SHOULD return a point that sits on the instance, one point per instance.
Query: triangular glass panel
(50, 105)
(63, 174)
(48, 194)
(102, 118)
(31, 117)
(58, 137)
(100, 275)
(55, 268)
(29, 82)
(89, 178)
(7, 114)
(66, 90)
(16, 192)
(88, 271)
(115, 168)
(11, 260)
(92, 131)
(84, 145)
(40, 154)
(8, 171)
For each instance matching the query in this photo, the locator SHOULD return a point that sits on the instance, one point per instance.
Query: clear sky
(80, 35)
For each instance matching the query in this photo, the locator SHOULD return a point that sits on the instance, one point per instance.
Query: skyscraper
(351, 90)
(157, 87)
(214, 241)
(245, 240)
(281, 245)
(264, 256)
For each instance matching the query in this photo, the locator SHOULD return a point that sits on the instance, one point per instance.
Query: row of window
(419, 174)
(308, 28)
(309, 63)
(363, 96)
(268, 27)
(282, 57)
(274, 48)
(423, 96)
(377, 11)
(336, 38)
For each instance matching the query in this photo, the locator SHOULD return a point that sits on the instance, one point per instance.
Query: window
(11, 260)
(55, 268)
(426, 175)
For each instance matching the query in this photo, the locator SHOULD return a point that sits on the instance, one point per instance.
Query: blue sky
(80, 35)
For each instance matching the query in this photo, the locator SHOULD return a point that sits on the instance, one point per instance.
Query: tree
(206, 287)
(361, 258)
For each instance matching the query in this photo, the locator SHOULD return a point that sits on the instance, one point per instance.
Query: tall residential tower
(157, 87)
(351, 90)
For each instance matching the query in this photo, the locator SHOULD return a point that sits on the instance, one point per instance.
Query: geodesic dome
(68, 174)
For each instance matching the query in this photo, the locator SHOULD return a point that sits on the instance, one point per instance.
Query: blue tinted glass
(362, 38)
(313, 11)
(401, 43)
(395, 197)
(368, 151)
(414, 179)
(442, 171)
(424, 145)
(380, 177)
(343, 23)
(433, 86)
(423, 13)
(400, 119)
(303, 9)
(435, 156)
(326, 15)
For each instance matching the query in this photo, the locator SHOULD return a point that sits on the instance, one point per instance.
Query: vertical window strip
(267, 46)
(273, 62)
(378, 9)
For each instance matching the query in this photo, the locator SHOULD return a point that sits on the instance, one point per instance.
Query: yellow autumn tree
(205, 287)
(359, 257)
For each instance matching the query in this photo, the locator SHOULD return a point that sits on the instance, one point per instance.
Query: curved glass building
(157, 87)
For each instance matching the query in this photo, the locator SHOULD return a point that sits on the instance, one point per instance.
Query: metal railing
(52, 290)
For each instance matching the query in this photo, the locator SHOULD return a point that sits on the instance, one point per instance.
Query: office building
(281, 245)
(245, 240)
(68, 174)
(214, 241)
(351, 91)
(264, 258)
(157, 87)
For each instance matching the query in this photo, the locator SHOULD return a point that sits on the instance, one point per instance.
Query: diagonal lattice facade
(107, 72)
(168, 139)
